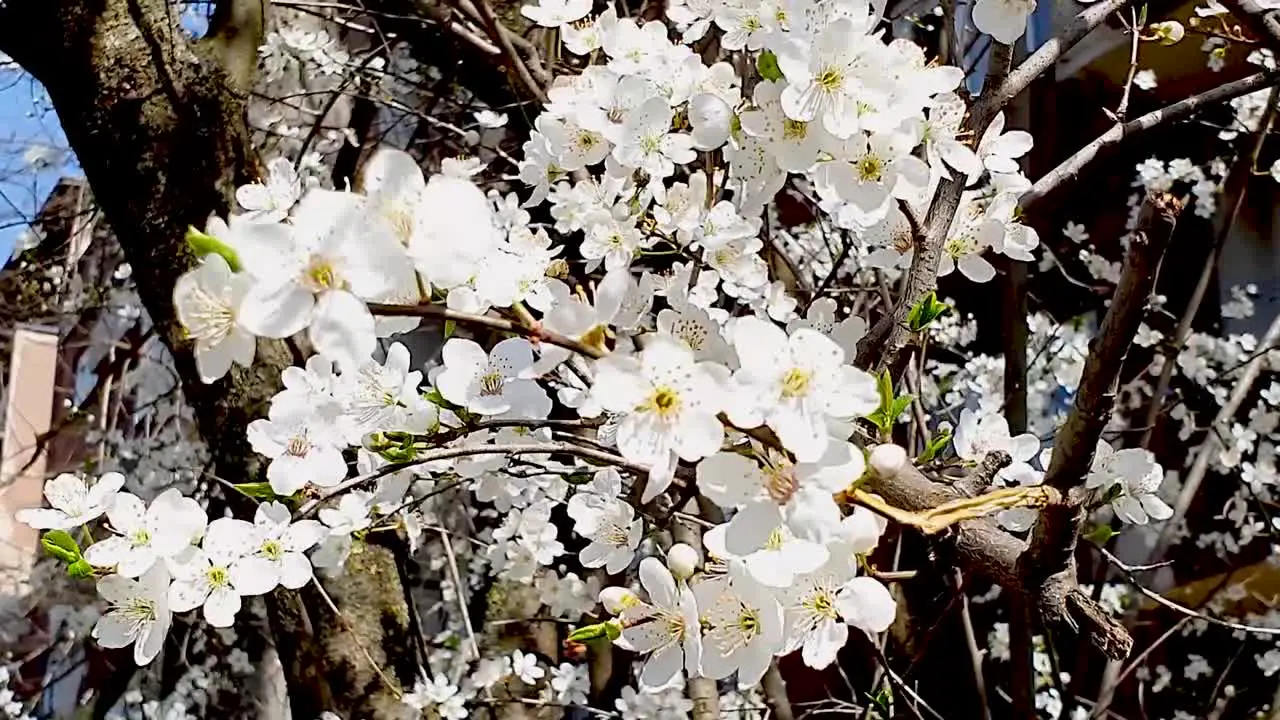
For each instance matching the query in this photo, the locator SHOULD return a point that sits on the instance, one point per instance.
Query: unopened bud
(615, 599)
(682, 560)
(1169, 32)
(888, 460)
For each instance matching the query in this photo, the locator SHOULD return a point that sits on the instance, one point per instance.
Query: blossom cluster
(703, 374)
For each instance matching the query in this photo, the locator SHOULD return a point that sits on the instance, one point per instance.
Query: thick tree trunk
(157, 123)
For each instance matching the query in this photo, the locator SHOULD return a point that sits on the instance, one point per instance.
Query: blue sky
(26, 120)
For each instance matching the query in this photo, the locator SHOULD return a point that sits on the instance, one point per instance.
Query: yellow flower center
(319, 275)
(665, 402)
(870, 168)
(796, 383)
(218, 577)
(830, 80)
(272, 550)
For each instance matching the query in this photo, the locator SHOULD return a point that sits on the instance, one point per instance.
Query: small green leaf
(935, 447)
(899, 406)
(613, 630)
(202, 245)
(450, 326)
(61, 545)
(1142, 17)
(1100, 535)
(884, 385)
(767, 66)
(257, 490)
(434, 397)
(587, 633)
(80, 569)
(925, 312)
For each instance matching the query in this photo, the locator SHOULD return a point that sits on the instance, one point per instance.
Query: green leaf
(1142, 17)
(450, 326)
(767, 66)
(61, 545)
(587, 633)
(884, 385)
(202, 245)
(434, 397)
(1100, 535)
(257, 490)
(80, 569)
(899, 406)
(935, 447)
(925, 312)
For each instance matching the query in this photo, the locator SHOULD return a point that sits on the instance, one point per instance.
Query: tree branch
(1108, 142)
(982, 547)
(1262, 20)
(1213, 440)
(534, 332)
(881, 346)
(236, 31)
(1077, 438)
(1236, 185)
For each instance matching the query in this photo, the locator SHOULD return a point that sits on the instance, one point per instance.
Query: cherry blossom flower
(207, 300)
(665, 627)
(492, 383)
(669, 404)
(72, 502)
(146, 534)
(220, 572)
(137, 613)
(794, 384)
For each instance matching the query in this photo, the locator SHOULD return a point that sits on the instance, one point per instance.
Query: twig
(1135, 40)
(1182, 609)
(1137, 661)
(1045, 57)
(1238, 180)
(1213, 442)
(902, 686)
(971, 641)
(457, 590)
(454, 452)
(1106, 143)
(393, 687)
(1259, 18)
(534, 332)
(1077, 438)
(501, 35)
(702, 691)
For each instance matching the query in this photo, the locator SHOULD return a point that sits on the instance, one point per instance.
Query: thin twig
(1106, 143)
(533, 332)
(1182, 609)
(1237, 180)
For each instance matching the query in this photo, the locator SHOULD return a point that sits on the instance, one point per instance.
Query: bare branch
(1077, 438)
(1237, 183)
(1260, 18)
(1107, 143)
(982, 547)
(533, 332)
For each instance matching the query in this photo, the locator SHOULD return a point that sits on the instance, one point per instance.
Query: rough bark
(157, 123)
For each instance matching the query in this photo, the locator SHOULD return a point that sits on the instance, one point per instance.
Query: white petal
(221, 607)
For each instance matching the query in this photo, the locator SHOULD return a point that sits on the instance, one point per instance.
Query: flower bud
(1169, 32)
(682, 560)
(888, 460)
(615, 599)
